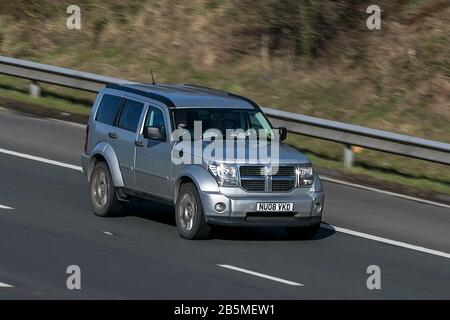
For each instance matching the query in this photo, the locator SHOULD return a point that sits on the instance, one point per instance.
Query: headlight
(225, 174)
(305, 176)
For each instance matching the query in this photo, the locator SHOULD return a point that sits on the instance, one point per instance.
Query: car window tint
(108, 109)
(155, 118)
(130, 115)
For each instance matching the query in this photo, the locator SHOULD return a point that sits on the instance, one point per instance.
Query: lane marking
(6, 207)
(40, 159)
(388, 241)
(325, 178)
(69, 123)
(5, 285)
(342, 230)
(261, 275)
(390, 193)
(42, 119)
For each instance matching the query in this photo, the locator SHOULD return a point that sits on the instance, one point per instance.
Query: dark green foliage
(297, 27)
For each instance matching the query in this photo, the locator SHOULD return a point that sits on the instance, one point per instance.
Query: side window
(155, 118)
(107, 109)
(130, 115)
(255, 122)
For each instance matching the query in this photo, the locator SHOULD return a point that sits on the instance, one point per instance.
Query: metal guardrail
(353, 135)
(40, 72)
(347, 134)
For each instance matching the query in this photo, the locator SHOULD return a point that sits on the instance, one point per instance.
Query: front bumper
(264, 222)
(241, 208)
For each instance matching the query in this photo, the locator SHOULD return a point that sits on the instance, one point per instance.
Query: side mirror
(153, 133)
(283, 133)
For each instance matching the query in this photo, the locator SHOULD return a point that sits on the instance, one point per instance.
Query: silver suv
(132, 149)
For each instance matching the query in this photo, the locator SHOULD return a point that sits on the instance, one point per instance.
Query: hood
(241, 152)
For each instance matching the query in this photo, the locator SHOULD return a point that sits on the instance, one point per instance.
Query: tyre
(102, 192)
(189, 214)
(303, 233)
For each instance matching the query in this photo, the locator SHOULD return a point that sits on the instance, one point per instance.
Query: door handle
(139, 143)
(113, 135)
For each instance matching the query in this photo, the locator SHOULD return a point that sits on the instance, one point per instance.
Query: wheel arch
(198, 175)
(105, 152)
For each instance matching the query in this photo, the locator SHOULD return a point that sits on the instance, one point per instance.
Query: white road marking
(261, 275)
(342, 230)
(61, 121)
(6, 207)
(40, 159)
(398, 195)
(69, 123)
(5, 285)
(325, 178)
(388, 241)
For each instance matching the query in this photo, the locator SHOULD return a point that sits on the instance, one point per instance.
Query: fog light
(317, 207)
(220, 207)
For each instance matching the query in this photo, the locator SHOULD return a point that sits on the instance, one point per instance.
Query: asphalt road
(141, 256)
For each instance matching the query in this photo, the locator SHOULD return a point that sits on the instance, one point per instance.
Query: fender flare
(202, 179)
(105, 150)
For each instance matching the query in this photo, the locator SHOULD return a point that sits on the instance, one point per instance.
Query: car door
(153, 161)
(122, 138)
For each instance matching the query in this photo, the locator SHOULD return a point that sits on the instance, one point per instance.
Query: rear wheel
(103, 196)
(189, 214)
(303, 233)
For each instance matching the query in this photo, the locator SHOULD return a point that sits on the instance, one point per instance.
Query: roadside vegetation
(311, 57)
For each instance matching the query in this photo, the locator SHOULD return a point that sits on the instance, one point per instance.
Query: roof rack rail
(169, 103)
(205, 88)
(251, 102)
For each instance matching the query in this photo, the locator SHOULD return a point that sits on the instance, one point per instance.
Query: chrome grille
(288, 171)
(252, 171)
(283, 185)
(254, 178)
(253, 185)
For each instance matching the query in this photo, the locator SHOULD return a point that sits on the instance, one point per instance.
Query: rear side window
(130, 115)
(108, 109)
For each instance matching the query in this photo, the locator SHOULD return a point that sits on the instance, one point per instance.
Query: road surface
(46, 225)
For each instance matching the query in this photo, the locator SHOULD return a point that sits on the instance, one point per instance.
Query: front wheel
(303, 233)
(189, 214)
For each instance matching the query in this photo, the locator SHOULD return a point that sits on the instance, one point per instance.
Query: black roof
(187, 95)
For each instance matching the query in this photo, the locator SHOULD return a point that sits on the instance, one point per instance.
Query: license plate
(274, 206)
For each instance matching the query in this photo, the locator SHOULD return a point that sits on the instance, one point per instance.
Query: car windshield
(223, 120)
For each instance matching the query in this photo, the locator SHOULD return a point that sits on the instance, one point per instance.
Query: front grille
(253, 178)
(252, 171)
(253, 185)
(283, 185)
(285, 171)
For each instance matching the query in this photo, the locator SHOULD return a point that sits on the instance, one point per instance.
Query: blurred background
(316, 58)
